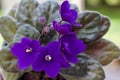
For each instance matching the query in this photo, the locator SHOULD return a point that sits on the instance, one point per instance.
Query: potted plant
(52, 41)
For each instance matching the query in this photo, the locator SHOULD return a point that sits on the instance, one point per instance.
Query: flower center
(48, 58)
(28, 50)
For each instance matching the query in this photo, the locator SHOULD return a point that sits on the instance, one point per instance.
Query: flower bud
(42, 20)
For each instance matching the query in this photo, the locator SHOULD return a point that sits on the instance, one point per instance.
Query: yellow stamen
(29, 50)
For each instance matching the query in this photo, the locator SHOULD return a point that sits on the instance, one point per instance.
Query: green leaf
(86, 69)
(25, 10)
(8, 27)
(49, 10)
(103, 50)
(7, 61)
(104, 26)
(12, 13)
(94, 26)
(12, 76)
(73, 6)
(26, 30)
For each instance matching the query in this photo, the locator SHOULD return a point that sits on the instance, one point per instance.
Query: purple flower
(67, 14)
(62, 28)
(71, 46)
(25, 51)
(49, 59)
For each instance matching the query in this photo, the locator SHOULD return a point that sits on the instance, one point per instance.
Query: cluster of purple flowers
(56, 54)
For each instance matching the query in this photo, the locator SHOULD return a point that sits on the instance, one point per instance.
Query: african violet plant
(54, 42)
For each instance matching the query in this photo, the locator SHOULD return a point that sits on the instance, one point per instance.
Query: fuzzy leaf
(25, 10)
(49, 10)
(86, 69)
(12, 76)
(94, 27)
(103, 50)
(26, 31)
(104, 26)
(12, 13)
(7, 61)
(75, 7)
(8, 27)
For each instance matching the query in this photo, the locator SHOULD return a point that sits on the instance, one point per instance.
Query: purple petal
(52, 69)
(77, 24)
(54, 48)
(65, 6)
(39, 61)
(72, 59)
(39, 64)
(66, 48)
(63, 62)
(69, 38)
(35, 45)
(62, 29)
(70, 16)
(77, 47)
(18, 50)
(69, 54)
(26, 40)
(25, 62)
(65, 28)
(56, 25)
(72, 46)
